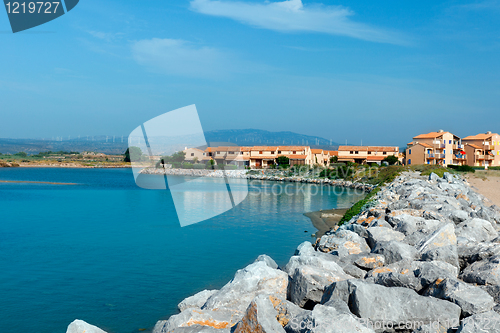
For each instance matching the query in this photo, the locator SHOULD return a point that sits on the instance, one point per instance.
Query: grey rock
(196, 301)
(370, 261)
(444, 236)
(268, 260)
(476, 230)
(79, 326)
(204, 320)
(433, 177)
(428, 272)
(343, 243)
(394, 251)
(382, 234)
(493, 291)
(470, 299)
(470, 252)
(326, 319)
(433, 328)
(458, 216)
(308, 283)
(487, 322)
(255, 279)
(447, 254)
(260, 317)
(396, 305)
(483, 272)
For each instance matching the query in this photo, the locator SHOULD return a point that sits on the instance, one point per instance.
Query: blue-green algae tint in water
(114, 255)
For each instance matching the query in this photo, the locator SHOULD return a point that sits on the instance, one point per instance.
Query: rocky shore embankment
(424, 257)
(264, 175)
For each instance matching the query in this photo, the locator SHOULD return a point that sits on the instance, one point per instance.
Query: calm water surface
(114, 255)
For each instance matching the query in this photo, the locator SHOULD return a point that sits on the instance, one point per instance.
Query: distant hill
(254, 137)
(112, 145)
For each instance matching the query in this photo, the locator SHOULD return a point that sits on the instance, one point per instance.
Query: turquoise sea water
(114, 255)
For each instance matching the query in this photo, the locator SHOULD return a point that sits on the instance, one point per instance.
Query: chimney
(441, 131)
(489, 132)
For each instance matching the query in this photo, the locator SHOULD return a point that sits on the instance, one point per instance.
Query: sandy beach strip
(488, 184)
(325, 220)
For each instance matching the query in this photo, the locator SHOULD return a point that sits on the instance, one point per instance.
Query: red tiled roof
(480, 136)
(430, 135)
(296, 157)
(368, 148)
(316, 151)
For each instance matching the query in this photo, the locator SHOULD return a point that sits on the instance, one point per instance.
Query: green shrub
(199, 166)
(187, 165)
(462, 168)
(231, 167)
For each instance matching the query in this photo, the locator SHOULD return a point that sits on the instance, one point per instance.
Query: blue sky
(380, 72)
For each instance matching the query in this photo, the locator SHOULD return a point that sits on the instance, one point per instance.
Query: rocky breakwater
(424, 257)
(269, 175)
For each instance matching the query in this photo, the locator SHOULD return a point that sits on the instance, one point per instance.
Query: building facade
(440, 148)
(366, 154)
(483, 149)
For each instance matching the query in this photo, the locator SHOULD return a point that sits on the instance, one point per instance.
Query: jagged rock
(257, 278)
(493, 291)
(268, 260)
(222, 320)
(433, 177)
(469, 298)
(429, 271)
(447, 254)
(483, 272)
(260, 317)
(394, 251)
(458, 216)
(382, 234)
(196, 301)
(444, 236)
(308, 283)
(326, 319)
(396, 305)
(370, 261)
(471, 252)
(476, 230)
(433, 328)
(337, 291)
(343, 243)
(487, 322)
(79, 326)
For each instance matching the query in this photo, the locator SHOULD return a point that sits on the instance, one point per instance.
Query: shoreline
(326, 219)
(266, 175)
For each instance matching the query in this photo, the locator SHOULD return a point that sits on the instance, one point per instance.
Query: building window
(384, 153)
(409, 152)
(357, 152)
(231, 152)
(369, 153)
(260, 152)
(409, 161)
(352, 152)
(279, 151)
(444, 151)
(449, 142)
(294, 152)
(272, 153)
(192, 154)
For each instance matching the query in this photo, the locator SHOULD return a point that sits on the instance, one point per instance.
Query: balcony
(460, 156)
(485, 157)
(458, 146)
(434, 156)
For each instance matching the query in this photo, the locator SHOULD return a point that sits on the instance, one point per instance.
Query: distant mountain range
(118, 144)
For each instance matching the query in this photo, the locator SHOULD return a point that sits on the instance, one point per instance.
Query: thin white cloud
(293, 16)
(179, 57)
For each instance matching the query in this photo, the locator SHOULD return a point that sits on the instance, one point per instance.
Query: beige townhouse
(441, 148)
(366, 154)
(483, 149)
